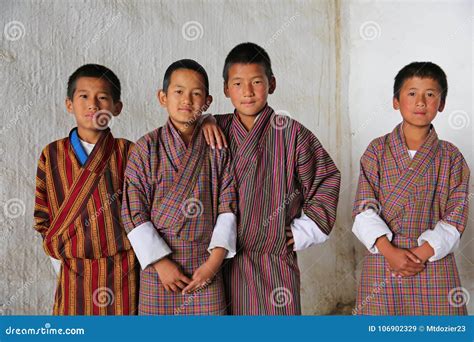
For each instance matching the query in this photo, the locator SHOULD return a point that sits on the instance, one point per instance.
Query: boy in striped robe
(288, 189)
(411, 207)
(179, 204)
(79, 185)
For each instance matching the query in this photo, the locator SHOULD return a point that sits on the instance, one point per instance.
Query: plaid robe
(77, 212)
(280, 168)
(181, 190)
(412, 196)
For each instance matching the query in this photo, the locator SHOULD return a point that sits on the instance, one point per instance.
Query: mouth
(420, 113)
(89, 115)
(187, 110)
(248, 103)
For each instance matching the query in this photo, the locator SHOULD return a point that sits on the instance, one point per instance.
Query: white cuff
(306, 233)
(56, 265)
(368, 227)
(225, 234)
(148, 245)
(444, 239)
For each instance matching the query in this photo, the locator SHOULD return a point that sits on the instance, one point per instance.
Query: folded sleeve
(368, 227)
(146, 242)
(306, 233)
(225, 234)
(444, 239)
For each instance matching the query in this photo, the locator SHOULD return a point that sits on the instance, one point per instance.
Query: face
(185, 99)
(420, 101)
(248, 87)
(92, 95)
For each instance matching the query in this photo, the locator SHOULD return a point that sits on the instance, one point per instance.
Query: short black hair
(421, 70)
(185, 64)
(248, 53)
(97, 71)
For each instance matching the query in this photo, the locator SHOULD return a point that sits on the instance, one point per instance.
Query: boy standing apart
(411, 206)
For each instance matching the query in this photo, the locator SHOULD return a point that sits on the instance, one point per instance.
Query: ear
(272, 85)
(68, 104)
(396, 104)
(226, 90)
(161, 95)
(208, 102)
(441, 106)
(118, 108)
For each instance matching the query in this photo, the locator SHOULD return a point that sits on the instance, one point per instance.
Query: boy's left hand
(423, 252)
(205, 273)
(213, 133)
(201, 277)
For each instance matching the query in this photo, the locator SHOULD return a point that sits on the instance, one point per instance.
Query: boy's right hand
(213, 133)
(170, 275)
(404, 262)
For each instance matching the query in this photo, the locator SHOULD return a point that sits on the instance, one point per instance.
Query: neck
(415, 136)
(186, 131)
(89, 136)
(247, 120)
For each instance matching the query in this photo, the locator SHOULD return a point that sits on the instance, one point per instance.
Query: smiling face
(91, 95)
(419, 101)
(185, 99)
(248, 87)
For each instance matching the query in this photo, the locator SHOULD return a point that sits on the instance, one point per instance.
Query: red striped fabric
(99, 274)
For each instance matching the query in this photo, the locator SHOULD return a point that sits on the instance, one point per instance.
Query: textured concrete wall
(138, 40)
(321, 63)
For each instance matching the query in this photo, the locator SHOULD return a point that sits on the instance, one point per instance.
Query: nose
(93, 105)
(187, 99)
(248, 90)
(420, 100)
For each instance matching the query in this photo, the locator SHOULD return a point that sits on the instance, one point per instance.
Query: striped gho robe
(280, 170)
(412, 196)
(77, 212)
(177, 191)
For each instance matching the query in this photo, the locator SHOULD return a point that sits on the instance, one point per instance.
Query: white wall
(384, 37)
(328, 77)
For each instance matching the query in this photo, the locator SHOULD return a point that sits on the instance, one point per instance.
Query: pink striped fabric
(280, 169)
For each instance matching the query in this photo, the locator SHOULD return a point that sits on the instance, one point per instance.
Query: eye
(83, 96)
(103, 97)
(430, 94)
(197, 94)
(257, 82)
(178, 92)
(237, 84)
(411, 93)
